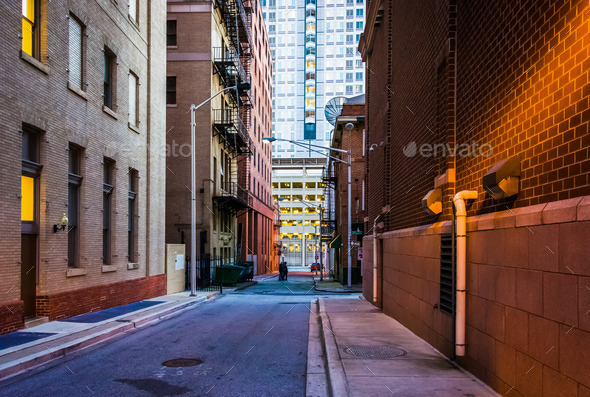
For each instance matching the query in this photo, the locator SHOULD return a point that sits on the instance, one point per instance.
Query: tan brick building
(497, 81)
(214, 45)
(82, 109)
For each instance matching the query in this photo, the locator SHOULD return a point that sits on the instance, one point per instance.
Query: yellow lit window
(28, 32)
(28, 198)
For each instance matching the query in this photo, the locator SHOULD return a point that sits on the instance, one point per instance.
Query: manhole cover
(374, 351)
(182, 362)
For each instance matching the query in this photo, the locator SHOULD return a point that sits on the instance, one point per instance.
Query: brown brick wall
(64, 305)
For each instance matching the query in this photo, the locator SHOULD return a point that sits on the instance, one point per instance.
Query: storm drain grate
(182, 362)
(383, 352)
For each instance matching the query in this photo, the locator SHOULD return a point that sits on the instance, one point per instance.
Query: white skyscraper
(314, 47)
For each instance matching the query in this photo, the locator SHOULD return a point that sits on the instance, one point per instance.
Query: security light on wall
(502, 180)
(432, 202)
(62, 225)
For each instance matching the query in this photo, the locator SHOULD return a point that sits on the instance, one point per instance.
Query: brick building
(233, 168)
(497, 81)
(83, 119)
(353, 140)
(255, 171)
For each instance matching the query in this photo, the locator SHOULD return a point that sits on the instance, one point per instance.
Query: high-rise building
(83, 131)
(314, 49)
(298, 189)
(212, 47)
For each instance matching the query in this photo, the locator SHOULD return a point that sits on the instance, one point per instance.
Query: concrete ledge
(561, 211)
(583, 210)
(109, 268)
(75, 272)
(529, 216)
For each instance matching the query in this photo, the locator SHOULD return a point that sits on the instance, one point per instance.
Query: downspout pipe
(375, 258)
(461, 293)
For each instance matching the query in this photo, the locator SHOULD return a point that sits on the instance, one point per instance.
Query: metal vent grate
(382, 352)
(446, 273)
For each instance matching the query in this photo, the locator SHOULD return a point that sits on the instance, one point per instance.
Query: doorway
(29, 273)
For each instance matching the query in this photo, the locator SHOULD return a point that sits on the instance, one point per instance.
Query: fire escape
(328, 219)
(231, 123)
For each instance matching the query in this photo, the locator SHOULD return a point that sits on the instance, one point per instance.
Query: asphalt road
(251, 343)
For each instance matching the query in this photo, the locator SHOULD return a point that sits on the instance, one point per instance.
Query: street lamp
(348, 162)
(193, 109)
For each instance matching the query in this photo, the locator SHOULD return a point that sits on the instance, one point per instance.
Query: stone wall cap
(561, 211)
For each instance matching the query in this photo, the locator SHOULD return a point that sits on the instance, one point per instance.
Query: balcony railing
(228, 125)
(228, 65)
(233, 196)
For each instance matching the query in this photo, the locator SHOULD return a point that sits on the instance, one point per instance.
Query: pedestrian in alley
(283, 271)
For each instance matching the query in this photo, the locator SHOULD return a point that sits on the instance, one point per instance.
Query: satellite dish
(333, 108)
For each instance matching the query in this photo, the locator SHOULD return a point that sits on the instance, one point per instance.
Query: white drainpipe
(461, 235)
(375, 258)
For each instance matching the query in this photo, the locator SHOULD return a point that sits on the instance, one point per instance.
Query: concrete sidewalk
(56, 339)
(328, 285)
(370, 354)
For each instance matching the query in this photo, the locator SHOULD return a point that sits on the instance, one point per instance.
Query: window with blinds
(133, 99)
(75, 48)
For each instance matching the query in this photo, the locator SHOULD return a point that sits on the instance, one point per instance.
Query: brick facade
(353, 141)
(38, 94)
(256, 170)
(235, 223)
(511, 78)
(67, 304)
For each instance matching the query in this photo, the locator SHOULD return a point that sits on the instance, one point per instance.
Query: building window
(171, 33)
(131, 217)
(110, 68)
(107, 198)
(76, 52)
(31, 169)
(359, 25)
(133, 10)
(359, 75)
(30, 30)
(74, 186)
(171, 90)
(133, 99)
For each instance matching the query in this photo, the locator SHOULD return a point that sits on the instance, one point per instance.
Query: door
(29, 273)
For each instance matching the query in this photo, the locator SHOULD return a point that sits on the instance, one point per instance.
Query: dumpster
(248, 272)
(227, 274)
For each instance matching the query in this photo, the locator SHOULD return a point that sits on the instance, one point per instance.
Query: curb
(336, 291)
(35, 360)
(335, 371)
(250, 284)
(316, 371)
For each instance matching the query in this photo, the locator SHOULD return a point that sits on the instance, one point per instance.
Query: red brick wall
(513, 76)
(67, 304)
(11, 317)
(353, 141)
